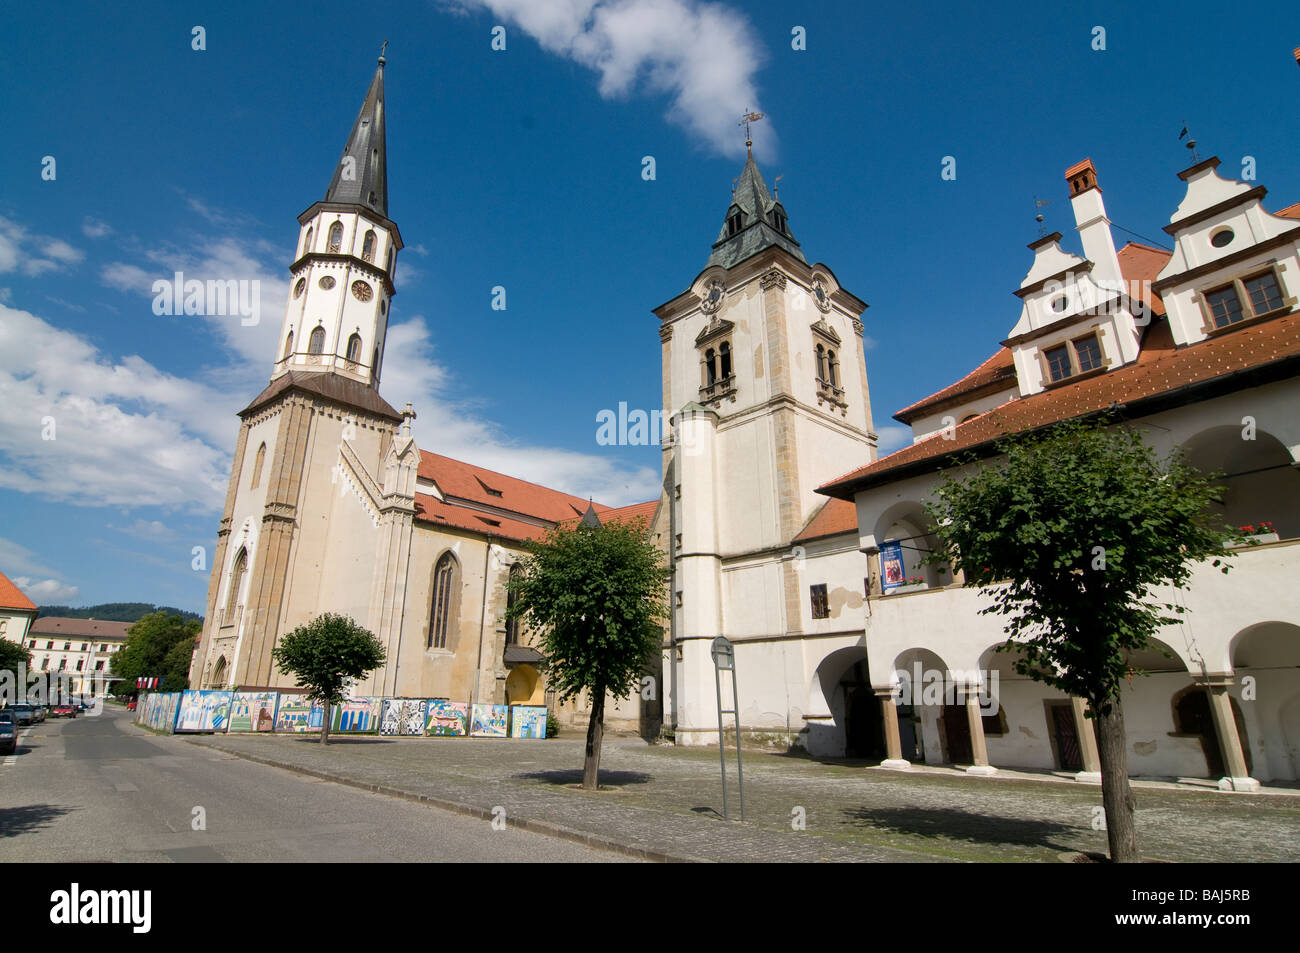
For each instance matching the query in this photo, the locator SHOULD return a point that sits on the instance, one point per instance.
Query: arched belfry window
(446, 586)
(512, 625)
(317, 343)
(374, 367)
(368, 246)
(724, 360)
(832, 377)
(710, 368)
(237, 572)
(258, 463)
(288, 347)
(306, 245)
(354, 348)
(336, 236)
(390, 260)
(821, 363)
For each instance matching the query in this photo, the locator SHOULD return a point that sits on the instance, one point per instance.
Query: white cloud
(456, 428)
(892, 437)
(94, 228)
(704, 56)
(124, 432)
(130, 278)
(46, 591)
(21, 251)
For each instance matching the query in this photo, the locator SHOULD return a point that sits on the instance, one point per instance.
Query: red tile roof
(835, 517)
(1291, 211)
(465, 481)
(429, 509)
(1137, 262)
(1162, 370)
(11, 597)
(634, 511)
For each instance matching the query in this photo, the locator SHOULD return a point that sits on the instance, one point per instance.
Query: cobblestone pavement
(665, 803)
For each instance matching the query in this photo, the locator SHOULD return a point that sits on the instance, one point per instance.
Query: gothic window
(317, 343)
(445, 589)
(354, 348)
(724, 354)
(237, 573)
(512, 625)
(288, 346)
(368, 246)
(257, 466)
(336, 236)
(710, 368)
(832, 368)
(374, 367)
(306, 245)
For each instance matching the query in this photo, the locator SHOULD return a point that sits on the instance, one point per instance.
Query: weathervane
(1191, 143)
(381, 51)
(1038, 217)
(745, 120)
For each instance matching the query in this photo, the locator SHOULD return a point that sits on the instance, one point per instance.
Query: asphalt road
(99, 789)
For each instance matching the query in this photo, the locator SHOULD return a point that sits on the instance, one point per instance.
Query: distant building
(81, 649)
(16, 611)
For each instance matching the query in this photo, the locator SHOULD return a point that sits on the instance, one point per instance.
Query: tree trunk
(324, 725)
(1116, 794)
(595, 734)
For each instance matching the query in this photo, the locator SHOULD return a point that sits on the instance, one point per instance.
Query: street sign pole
(724, 659)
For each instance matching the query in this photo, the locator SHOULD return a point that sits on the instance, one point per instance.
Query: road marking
(13, 758)
(125, 787)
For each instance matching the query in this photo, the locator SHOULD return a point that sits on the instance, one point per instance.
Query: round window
(327, 282)
(362, 291)
(1221, 237)
(1059, 303)
(298, 288)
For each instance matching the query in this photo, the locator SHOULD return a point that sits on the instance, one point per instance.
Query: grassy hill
(114, 611)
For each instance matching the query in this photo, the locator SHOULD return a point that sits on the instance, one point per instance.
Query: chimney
(1091, 223)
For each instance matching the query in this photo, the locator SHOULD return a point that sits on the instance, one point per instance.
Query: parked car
(130, 706)
(8, 733)
(64, 711)
(23, 715)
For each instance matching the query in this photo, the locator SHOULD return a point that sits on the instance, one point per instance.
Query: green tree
(323, 654)
(158, 646)
(1068, 534)
(16, 659)
(596, 596)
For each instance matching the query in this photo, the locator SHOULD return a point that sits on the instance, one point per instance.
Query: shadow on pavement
(955, 824)
(22, 820)
(607, 778)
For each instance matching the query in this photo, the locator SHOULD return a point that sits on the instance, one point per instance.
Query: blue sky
(522, 169)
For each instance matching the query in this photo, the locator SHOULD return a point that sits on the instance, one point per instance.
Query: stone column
(1091, 772)
(1238, 778)
(893, 744)
(979, 749)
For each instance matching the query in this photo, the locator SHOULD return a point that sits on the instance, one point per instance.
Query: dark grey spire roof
(589, 519)
(761, 225)
(368, 185)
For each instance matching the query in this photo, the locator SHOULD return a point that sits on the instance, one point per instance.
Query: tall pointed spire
(754, 221)
(361, 177)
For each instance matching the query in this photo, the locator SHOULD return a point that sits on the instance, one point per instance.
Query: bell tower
(341, 283)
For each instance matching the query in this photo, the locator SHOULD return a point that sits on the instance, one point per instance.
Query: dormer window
(733, 223)
(778, 220)
(1245, 298)
(1074, 358)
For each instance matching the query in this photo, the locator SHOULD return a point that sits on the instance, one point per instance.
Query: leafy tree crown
(325, 653)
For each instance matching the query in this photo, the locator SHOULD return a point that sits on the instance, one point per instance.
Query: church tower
(318, 513)
(764, 372)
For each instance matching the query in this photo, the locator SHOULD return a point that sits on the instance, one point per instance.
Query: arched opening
(906, 539)
(832, 369)
(288, 346)
(821, 363)
(442, 610)
(932, 728)
(258, 463)
(524, 686)
(354, 348)
(1259, 479)
(306, 243)
(710, 368)
(368, 246)
(219, 673)
(336, 236)
(1265, 658)
(844, 711)
(1192, 716)
(374, 368)
(724, 358)
(512, 597)
(238, 570)
(316, 344)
